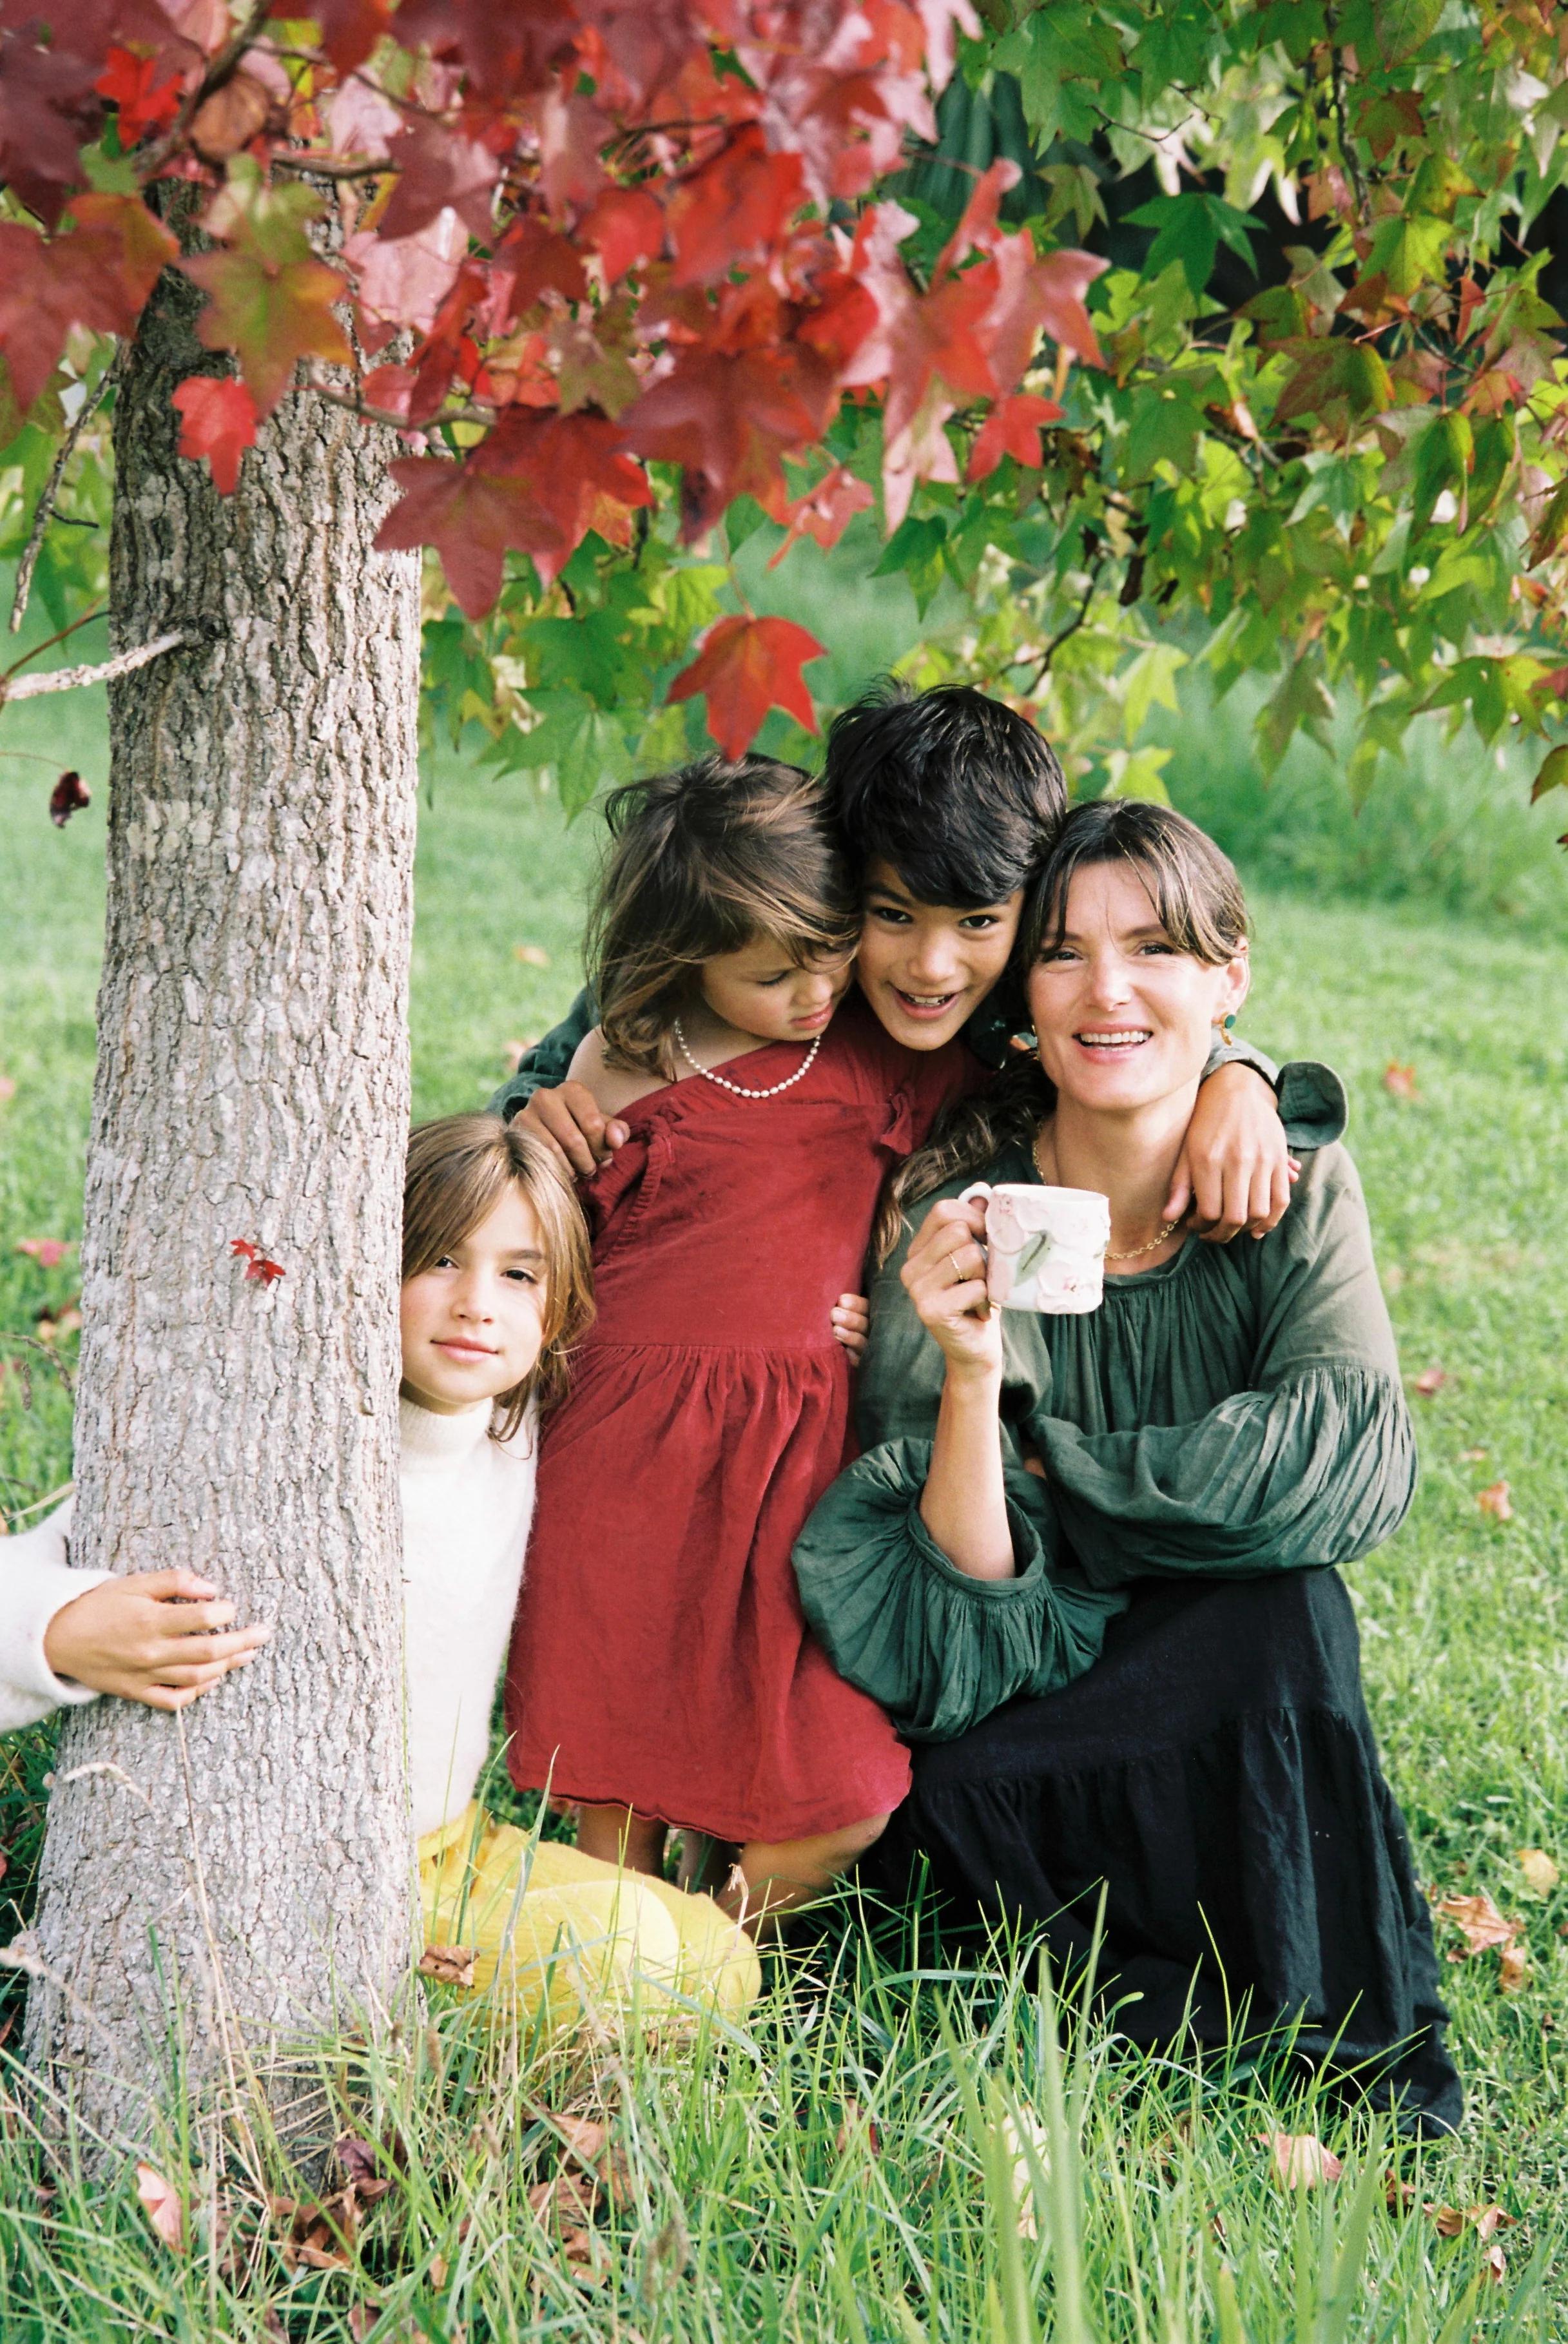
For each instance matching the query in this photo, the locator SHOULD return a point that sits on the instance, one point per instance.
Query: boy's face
(927, 967)
(473, 1323)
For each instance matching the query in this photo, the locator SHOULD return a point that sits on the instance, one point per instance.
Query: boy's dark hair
(956, 791)
(705, 861)
(1199, 899)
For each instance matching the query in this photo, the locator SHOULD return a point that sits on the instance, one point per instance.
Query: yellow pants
(557, 1931)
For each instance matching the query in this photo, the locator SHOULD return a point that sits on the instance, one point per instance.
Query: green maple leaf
(1403, 26)
(583, 746)
(1191, 228)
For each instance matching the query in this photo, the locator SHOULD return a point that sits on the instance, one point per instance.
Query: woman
(1167, 1482)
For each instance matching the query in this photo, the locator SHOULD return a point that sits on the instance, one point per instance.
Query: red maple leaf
(97, 275)
(1011, 428)
(743, 668)
(438, 169)
(243, 1247)
(218, 421)
(734, 209)
(728, 421)
(536, 261)
(624, 226)
(262, 1272)
(142, 101)
(535, 483)
(47, 108)
(349, 28)
(825, 512)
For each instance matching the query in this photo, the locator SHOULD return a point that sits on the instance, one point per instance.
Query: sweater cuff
(29, 1689)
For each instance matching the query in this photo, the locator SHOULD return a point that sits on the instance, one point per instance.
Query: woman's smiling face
(927, 967)
(1123, 1017)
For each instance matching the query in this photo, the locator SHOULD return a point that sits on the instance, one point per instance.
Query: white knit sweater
(468, 1501)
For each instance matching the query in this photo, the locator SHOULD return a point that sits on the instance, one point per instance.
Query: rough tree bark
(250, 1859)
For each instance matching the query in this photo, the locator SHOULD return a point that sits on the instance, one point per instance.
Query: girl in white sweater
(496, 1289)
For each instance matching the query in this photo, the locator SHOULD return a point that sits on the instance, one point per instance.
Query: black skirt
(1217, 1772)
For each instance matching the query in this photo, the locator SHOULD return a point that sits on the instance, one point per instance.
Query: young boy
(947, 800)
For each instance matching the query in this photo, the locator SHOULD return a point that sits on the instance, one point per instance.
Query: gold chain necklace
(1133, 1252)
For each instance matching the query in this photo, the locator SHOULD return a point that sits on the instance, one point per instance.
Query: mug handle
(975, 1188)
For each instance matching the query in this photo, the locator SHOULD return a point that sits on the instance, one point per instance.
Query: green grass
(758, 2202)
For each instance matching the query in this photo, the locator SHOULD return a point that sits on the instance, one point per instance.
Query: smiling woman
(1164, 1482)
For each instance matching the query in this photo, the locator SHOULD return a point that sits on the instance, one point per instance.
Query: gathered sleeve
(1314, 1463)
(938, 1648)
(547, 1064)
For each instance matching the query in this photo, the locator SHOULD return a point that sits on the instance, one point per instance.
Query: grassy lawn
(847, 2167)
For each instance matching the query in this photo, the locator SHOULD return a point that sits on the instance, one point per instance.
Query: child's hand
(152, 1637)
(571, 1122)
(851, 1318)
(1235, 1170)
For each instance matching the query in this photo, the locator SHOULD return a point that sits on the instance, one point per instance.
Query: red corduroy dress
(660, 1658)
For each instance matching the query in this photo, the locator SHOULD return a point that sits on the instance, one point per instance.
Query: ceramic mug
(1045, 1247)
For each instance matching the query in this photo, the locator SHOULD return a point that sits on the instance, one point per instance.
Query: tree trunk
(246, 1865)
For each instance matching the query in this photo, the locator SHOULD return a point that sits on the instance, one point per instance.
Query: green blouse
(1237, 1410)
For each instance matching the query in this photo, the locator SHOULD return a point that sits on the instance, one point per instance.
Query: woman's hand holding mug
(944, 1277)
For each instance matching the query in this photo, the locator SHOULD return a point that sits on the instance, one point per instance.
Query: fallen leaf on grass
(1512, 1968)
(1479, 1922)
(858, 2125)
(531, 955)
(360, 2163)
(7, 1088)
(163, 2207)
(1451, 2221)
(1301, 2160)
(1400, 1081)
(451, 1964)
(1495, 1501)
(1472, 1456)
(47, 1252)
(318, 2234)
(1432, 1381)
(567, 2201)
(1539, 1873)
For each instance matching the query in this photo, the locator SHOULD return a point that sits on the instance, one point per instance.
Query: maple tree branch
(88, 615)
(334, 167)
(222, 69)
(1071, 628)
(30, 551)
(1348, 154)
(355, 405)
(65, 679)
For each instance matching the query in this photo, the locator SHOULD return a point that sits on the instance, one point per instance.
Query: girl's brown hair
(1198, 898)
(705, 861)
(457, 1170)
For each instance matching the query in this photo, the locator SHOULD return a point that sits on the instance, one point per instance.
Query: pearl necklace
(738, 1089)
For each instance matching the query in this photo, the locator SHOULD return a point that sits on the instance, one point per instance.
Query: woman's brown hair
(705, 861)
(457, 1170)
(1198, 900)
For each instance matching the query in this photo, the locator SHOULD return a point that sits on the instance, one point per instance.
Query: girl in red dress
(662, 1672)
